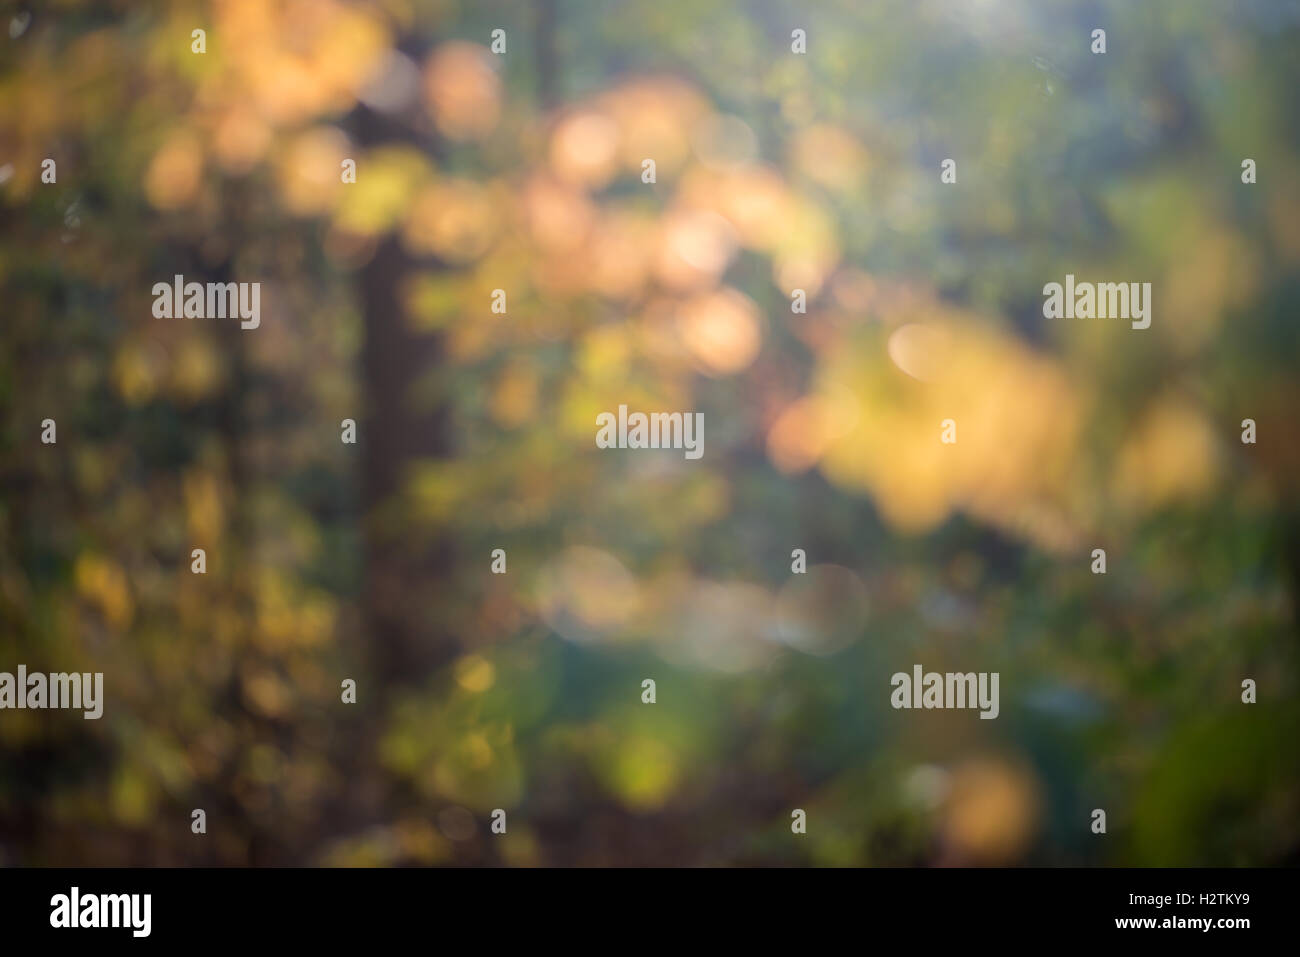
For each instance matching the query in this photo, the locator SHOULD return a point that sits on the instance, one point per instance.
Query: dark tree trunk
(405, 638)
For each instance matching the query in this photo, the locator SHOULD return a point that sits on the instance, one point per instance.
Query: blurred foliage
(522, 172)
